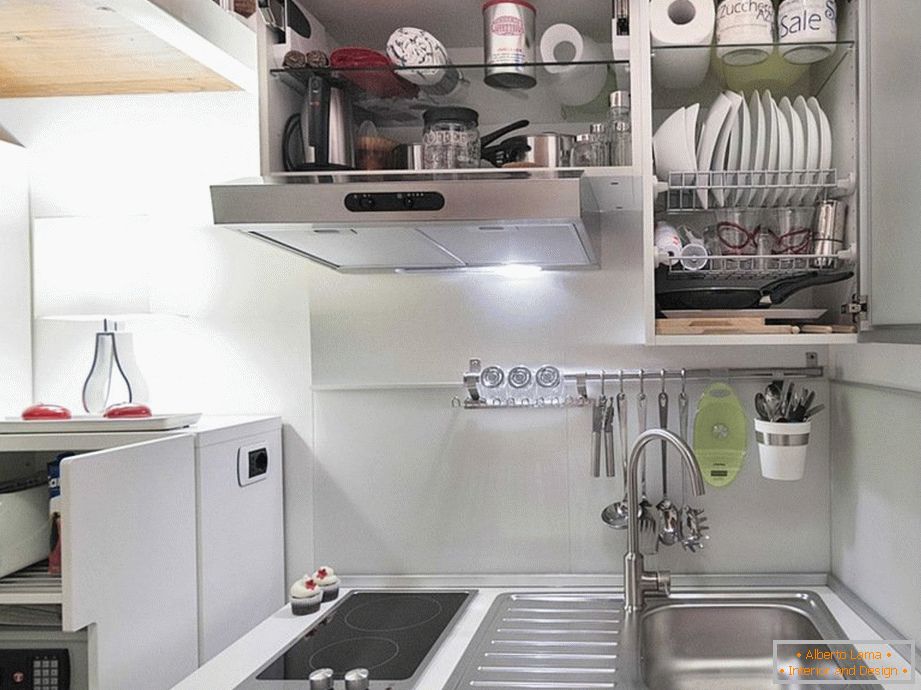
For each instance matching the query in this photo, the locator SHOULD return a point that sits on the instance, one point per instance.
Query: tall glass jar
(450, 138)
(620, 136)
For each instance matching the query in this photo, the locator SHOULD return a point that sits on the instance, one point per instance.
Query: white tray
(89, 423)
(772, 314)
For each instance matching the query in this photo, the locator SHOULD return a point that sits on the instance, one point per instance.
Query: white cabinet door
(241, 538)
(891, 184)
(128, 561)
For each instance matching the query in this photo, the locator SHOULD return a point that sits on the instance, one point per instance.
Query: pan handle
(487, 139)
(779, 290)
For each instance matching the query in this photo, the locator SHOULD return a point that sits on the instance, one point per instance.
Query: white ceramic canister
(782, 448)
(814, 22)
(509, 43)
(744, 31)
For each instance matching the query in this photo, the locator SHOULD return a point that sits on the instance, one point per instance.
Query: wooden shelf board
(69, 48)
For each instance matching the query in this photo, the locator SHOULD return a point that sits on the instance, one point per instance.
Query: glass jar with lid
(450, 138)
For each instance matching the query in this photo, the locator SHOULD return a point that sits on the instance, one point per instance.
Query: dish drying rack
(578, 383)
(684, 189)
(757, 267)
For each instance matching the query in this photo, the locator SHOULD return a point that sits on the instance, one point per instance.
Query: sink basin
(584, 641)
(725, 642)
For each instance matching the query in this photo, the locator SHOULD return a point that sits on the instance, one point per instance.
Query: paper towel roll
(573, 84)
(681, 23)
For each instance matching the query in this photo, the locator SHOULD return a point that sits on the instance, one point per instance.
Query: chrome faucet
(640, 583)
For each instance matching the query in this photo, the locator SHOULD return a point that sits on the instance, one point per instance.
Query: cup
(829, 232)
(793, 234)
(744, 31)
(812, 22)
(736, 233)
(668, 241)
(782, 448)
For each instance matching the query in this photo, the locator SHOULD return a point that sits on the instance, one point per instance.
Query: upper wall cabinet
(443, 136)
(89, 48)
(757, 220)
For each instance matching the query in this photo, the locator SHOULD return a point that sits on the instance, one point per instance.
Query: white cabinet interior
(834, 82)
(837, 82)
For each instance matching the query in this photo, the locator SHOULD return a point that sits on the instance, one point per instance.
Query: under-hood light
(516, 270)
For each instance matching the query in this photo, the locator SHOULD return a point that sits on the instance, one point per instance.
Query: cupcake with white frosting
(306, 595)
(328, 581)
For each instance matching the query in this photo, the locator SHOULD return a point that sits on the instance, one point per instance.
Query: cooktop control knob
(357, 679)
(321, 679)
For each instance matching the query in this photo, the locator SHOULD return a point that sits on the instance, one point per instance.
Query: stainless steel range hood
(419, 221)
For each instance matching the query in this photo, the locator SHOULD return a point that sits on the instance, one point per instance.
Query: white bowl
(670, 146)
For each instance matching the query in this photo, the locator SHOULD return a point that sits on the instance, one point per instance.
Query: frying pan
(692, 290)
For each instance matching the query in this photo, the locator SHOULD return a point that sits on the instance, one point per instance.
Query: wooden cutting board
(722, 326)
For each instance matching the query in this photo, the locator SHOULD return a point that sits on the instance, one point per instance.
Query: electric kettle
(324, 127)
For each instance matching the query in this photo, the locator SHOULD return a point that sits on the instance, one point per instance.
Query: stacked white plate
(754, 145)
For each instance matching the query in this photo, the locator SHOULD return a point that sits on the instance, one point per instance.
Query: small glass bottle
(620, 138)
(589, 151)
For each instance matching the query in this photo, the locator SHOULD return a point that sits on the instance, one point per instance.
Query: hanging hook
(642, 376)
(581, 387)
(602, 384)
(662, 375)
(621, 377)
(684, 379)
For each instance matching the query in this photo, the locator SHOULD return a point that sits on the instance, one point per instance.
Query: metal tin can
(509, 43)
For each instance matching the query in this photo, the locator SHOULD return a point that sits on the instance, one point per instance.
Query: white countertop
(248, 654)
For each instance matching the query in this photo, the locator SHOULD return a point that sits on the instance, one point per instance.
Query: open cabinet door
(890, 53)
(128, 561)
(15, 283)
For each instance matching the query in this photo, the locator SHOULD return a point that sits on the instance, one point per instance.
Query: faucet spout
(638, 583)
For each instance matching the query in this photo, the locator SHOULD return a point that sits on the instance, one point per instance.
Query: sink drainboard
(543, 642)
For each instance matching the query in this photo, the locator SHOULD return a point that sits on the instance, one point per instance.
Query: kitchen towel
(681, 23)
(574, 84)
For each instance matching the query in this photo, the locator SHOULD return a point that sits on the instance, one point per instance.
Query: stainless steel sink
(712, 640)
(725, 641)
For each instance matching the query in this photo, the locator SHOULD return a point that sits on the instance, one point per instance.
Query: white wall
(120, 198)
(876, 476)
(15, 282)
(406, 484)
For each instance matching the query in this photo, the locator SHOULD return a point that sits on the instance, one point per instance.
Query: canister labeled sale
(509, 43)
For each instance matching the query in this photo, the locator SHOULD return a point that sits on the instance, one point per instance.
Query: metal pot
(547, 150)
(407, 157)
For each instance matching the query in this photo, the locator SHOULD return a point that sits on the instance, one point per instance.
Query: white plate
(825, 145)
(86, 423)
(784, 156)
(812, 145)
(690, 125)
(718, 163)
(773, 314)
(797, 148)
(716, 117)
(745, 151)
(771, 151)
(758, 150)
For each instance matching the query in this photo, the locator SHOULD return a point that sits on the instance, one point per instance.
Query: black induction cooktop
(389, 633)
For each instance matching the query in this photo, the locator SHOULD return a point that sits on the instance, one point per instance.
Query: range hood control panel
(371, 202)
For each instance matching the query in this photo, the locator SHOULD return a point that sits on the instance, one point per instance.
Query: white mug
(807, 21)
(748, 25)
